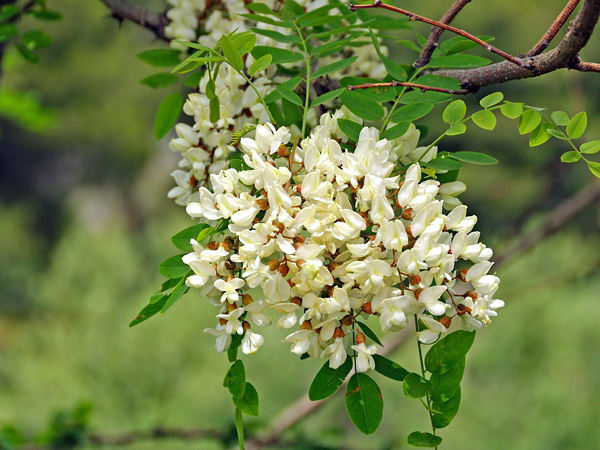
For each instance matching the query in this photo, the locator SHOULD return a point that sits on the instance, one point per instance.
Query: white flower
(433, 331)
(251, 342)
(364, 358)
(429, 300)
(300, 341)
(336, 353)
(223, 337)
(229, 289)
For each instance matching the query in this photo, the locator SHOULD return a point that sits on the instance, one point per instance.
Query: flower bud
(231, 307)
(271, 163)
(299, 262)
(306, 325)
(283, 270)
(347, 320)
(368, 308)
(263, 204)
(283, 151)
(280, 227)
(299, 239)
(274, 264)
(418, 293)
(446, 321)
(296, 301)
(462, 275)
(360, 338)
(407, 214)
(193, 182)
(247, 299)
(461, 309)
(409, 231)
(414, 279)
(229, 278)
(332, 266)
(471, 294)
(339, 333)
(225, 246)
(245, 325)
(212, 245)
(223, 322)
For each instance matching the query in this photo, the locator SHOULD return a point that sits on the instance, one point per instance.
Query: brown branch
(422, 87)
(583, 66)
(436, 33)
(151, 20)
(554, 28)
(561, 57)
(413, 16)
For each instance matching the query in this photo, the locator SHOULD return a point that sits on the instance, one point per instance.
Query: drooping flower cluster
(322, 236)
(204, 147)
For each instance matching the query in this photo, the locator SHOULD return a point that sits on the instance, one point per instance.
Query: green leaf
(459, 62)
(160, 57)
(276, 36)
(389, 368)
(290, 95)
(334, 67)
(26, 53)
(442, 163)
(511, 110)
(262, 19)
(248, 404)
(244, 42)
(416, 96)
(396, 131)
(235, 379)
(492, 99)
(560, 118)
(260, 8)
(594, 168)
(159, 80)
(539, 135)
(454, 112)
(395, 71)
(280, 55)
(557, 134)
(46, 14)
(174, 297)
(369, 333)
(409, 44)
(260, 64)
(459, 44)
(167, 115)
(362, 105)
(35, 39)
(182, 239)
(529, 121)
(236, 341)
(415, 386)
(173, 267)
(444, 386)
(169, 284)
(206, 232)
(456, 129)
(484, 119)
(350, 129)
(577, 125)
(7, 31)
(590, 147)
(149, 310)
(327, 97)
(210, 90)
(570, 157)
(195, 61)
(412, 112)
(364, 403)
(232, 55)
(378, 94)
(203, 48)
(328, 380)
(215, 109)
(474, 158)
(418, 439)
(449, 351)
(445, 411)
(8, 12)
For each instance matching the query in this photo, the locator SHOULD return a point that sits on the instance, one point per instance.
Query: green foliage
(160, 57)
(182, 239)
(328, 380)
(428, 440)
(368, 332)
(248, 403)
(364, 403)
(448, 351)
(415, 386)
(235, 379)
(389, 368)
(167, 114)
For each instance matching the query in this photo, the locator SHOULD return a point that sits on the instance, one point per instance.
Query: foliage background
(84, 221)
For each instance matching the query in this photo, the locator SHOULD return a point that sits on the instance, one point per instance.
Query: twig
(583, 66)
(151, 20)
(562, 57)
(422, 87)
(413, 16)
(436, 33)
(554, 28)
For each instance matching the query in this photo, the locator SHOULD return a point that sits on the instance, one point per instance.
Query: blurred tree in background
(83, 220)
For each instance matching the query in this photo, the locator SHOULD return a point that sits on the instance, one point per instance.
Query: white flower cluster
(322, 235)
(205, 146)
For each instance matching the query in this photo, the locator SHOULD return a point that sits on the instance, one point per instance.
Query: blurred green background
(84, 222)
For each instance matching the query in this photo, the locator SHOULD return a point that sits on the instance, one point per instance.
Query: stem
(307, 62)
(239, 426)
(241, 72)
(397, 101)
(422, 87)
(554, 28)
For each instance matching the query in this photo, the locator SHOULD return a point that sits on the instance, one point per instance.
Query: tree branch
(151, 20)
(436, 33)
(554, 28)
(561, 57)
(413, 16)
(583, 66)
(422, 87)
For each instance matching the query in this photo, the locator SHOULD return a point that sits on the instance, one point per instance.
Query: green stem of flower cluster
(386, 121)
(428, 406)
(239, 426)
(307, 62)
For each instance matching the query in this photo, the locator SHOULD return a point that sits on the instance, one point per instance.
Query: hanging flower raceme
(322, 235)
